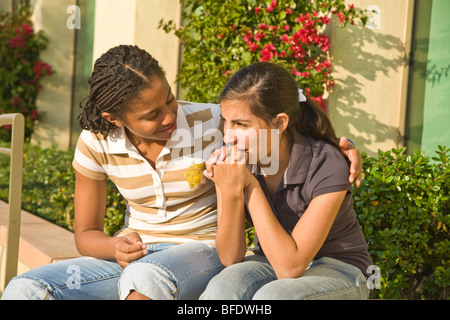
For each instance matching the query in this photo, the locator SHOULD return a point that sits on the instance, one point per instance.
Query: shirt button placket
(157, 178)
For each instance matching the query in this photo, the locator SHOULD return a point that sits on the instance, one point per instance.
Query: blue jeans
(169, 271)
(254, 278)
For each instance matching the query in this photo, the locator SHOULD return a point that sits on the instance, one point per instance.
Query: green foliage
(48, 188)
(220, 39)
(403, 207)
(21, 70)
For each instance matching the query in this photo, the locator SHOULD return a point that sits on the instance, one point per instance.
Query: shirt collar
(119, 143)
(299, 161)
(182, 136)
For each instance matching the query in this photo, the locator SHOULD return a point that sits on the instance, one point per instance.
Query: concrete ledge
(41, 242)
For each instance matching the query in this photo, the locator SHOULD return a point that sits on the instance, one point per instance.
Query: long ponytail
(312, 121)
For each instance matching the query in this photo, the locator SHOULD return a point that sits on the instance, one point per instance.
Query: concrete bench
(41, 242)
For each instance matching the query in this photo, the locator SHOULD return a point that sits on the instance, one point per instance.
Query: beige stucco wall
(116, 22)
(370, 66)
(54, 101)
(5, 5)
(136, 22)
(367, 104)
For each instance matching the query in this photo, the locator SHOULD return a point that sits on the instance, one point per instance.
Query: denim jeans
(254, 278)
(169, 271)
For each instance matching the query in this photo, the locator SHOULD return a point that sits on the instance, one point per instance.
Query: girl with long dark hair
(153, 148)
(308, 242)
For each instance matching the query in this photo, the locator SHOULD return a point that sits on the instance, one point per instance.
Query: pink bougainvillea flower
(268, 52)
(259, 35)
(324, 42)
(272, 6)
(15, 101)
(326, 63)
(319, 100)
(341, 16)
(296, 72)
(325, 20)
(253, 46)
(303, 74)
(34, 114)
(284, 38)
(27, 29)
(263, 26)
(39, 67)
(248, 36)
(16, 42)
(306, 20)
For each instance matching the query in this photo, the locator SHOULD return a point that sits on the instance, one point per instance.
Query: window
(84, 51)
(428, 113)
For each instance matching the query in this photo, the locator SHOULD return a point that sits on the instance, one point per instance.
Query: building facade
(392, 77)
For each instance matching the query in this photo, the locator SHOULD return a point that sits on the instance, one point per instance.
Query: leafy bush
(48, 188)
(402, 205)
(404, 209)
(21, 70)
(220, 39)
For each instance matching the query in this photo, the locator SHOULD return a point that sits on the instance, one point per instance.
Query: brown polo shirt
(317, 168)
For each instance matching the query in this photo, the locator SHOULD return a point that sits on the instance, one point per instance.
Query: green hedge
(402, 206)
(221, 39)
(48, 188)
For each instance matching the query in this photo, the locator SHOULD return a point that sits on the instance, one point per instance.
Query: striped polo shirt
(173, 202)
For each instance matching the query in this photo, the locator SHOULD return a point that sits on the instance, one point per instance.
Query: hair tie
(301, 96)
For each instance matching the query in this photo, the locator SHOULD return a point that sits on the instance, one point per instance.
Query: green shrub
(48, 188)
(403, 207)
(220, 39)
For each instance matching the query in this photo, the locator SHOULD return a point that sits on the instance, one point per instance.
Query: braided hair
(118, 78)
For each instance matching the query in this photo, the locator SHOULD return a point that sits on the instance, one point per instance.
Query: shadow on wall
(366, 56)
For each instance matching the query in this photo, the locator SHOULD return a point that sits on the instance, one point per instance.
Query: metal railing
(17, 121)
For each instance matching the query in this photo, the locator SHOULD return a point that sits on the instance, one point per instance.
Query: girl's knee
(230, 284)
(21, 288)
(218, 288)
(148, 280)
